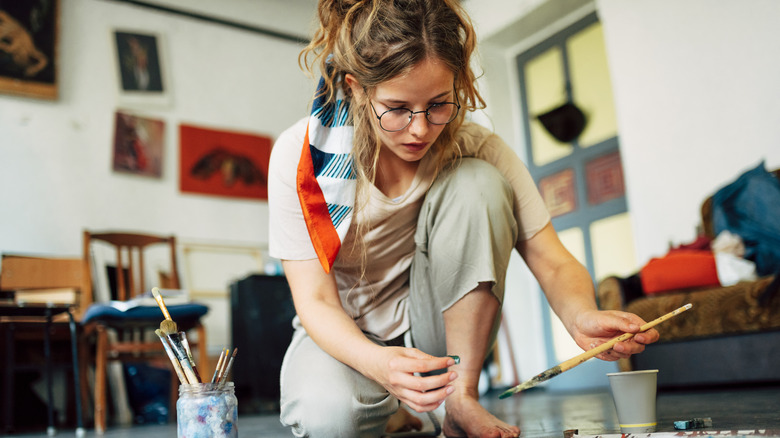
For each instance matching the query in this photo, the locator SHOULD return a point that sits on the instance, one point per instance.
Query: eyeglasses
(397, 119)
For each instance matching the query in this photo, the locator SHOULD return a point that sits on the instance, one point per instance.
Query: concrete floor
(544, 413)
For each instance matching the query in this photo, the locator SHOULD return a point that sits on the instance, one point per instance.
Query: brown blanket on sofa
(742, 308)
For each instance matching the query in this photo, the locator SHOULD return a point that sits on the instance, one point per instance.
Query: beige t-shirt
(376, 300)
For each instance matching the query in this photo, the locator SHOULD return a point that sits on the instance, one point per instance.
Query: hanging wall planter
(565, 123)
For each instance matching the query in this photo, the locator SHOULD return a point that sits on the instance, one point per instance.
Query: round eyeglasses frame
(412, 113)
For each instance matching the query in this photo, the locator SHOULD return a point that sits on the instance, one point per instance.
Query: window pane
(545, 89)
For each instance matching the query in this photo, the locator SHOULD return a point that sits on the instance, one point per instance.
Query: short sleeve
(288, 237)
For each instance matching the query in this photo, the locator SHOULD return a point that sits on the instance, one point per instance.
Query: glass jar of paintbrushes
(205, 408)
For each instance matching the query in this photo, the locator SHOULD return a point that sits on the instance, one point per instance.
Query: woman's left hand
(594, 327)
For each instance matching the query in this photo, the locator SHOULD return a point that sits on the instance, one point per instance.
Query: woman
(408, 265)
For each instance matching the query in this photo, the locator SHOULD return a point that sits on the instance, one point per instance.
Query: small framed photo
(141, 77)
(28, 48)
(138, 145)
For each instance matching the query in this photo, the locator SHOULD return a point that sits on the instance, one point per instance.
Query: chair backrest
(130, 261)
(47, 277)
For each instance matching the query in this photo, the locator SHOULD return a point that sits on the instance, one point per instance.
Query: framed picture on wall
(223, 163)
(139, 61)
(138, 145)
(28, 47)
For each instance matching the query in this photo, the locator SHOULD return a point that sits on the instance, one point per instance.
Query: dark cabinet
(262, 314)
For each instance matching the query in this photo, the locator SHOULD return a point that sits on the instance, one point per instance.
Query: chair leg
(174, 397)
(74, 351)
(84, 378)
(51, 429)
(100, 380)
(8, 378)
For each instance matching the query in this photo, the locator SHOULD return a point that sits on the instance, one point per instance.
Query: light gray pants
(465, 234)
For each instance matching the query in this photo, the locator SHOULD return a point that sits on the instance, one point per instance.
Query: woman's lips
(415, 146)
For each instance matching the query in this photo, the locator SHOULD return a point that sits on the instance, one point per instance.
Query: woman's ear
(354, 85)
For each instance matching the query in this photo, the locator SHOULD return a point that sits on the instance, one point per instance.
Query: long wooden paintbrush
(219, 365)
(168, 325)
(573, 362)
(228, 367)
(181, 355)
(174, 361)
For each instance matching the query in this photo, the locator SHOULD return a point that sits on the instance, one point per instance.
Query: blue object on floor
(148, 392)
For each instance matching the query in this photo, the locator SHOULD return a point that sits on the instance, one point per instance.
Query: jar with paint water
(207, 410)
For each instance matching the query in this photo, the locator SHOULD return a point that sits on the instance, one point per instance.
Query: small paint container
(207, 410)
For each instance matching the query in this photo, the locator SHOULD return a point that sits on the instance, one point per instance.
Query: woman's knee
(320, 412)
(477, 182)
(473, 201)
(322, 397)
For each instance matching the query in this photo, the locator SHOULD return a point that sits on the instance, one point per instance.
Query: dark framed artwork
(223, 163)
(139, 66)
(28, 47)
(138, 145)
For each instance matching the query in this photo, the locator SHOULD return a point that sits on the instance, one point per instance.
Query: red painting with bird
(223, 163)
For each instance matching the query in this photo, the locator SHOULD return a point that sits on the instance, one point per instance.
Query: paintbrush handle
(174, 360)
(573, 362)
(181, 355)
(219, 365)
(222, 368)
(159, 299)
(228, 367)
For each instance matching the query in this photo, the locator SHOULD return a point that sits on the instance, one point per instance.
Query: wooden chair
(48, 294)
(134, 339)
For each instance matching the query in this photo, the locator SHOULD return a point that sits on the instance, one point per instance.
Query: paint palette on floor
(763, 433)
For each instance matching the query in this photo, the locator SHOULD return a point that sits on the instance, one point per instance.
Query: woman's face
(427, 83)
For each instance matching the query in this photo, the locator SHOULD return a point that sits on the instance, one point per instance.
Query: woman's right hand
(318, 306)
(395, 368)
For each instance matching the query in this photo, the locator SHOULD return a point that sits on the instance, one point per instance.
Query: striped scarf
(326, 180)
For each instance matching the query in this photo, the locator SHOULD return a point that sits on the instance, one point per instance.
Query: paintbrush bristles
(168, 326)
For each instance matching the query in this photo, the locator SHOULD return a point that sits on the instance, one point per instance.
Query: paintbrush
(221, 374)
(219, 365)
(168, 325)
(573, 362)
(228, 367)
(181, 355)
(186, 347)
(172, 356)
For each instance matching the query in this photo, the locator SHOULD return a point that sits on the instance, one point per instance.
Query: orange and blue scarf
(326, 178)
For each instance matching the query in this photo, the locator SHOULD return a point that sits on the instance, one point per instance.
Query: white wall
(696, 89)
(55, 156)
(696, 93)
(56, 175)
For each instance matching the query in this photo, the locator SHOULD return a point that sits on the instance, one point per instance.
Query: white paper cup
(634, 393)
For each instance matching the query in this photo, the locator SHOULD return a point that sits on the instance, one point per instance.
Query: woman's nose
(419, 124)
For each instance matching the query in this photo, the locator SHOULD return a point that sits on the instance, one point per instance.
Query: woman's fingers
(425, 401)
(415, 361)
(424, 383)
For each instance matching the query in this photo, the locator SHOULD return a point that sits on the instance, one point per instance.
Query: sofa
(731, 335)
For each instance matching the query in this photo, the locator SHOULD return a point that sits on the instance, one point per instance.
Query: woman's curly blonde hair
(377, 40)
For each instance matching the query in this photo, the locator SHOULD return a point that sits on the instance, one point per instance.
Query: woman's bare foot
(403, 421)
(465, 417)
